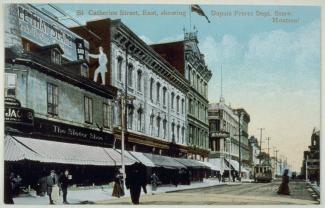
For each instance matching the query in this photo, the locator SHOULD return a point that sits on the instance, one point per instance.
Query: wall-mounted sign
(16, 116)
(81, 50)
(43, 30)
(71, 132)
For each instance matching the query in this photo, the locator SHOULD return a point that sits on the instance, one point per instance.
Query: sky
(271, 69)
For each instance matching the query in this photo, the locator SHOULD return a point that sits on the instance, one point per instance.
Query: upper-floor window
(177, 104)
(151, 124)
(52, 99)
(106, 115)
(158, 91)
(55, 56)
(139, 80)
(158, 126)
(10, 84)
(183, 134)
(172, 99)
(164, 95)
(178, 137)
(88, 105)
(190, 105)
(164, 128)
(84, 70)
(140, 123)
(119, 68)
(183, 106)
(151, 89)
(130, 75)
(130, 117)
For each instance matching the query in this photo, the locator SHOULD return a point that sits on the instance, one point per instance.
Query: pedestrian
(118, 189)
(52, 183)
(64, 182)
(219, 176)
(42, 186)
(8, 188)
(284, 187)
(16, 184)
(136, 178)
(154, 182)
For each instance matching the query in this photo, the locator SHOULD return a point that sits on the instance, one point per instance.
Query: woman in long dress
(118, 185)
(284, 187)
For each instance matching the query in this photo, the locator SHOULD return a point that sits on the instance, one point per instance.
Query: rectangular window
(88, 110)
(107, 115)
(52, 99)
(10, 84)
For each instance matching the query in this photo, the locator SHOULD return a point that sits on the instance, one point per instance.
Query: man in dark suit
(51, 181)
(64, 182)
(135, 179)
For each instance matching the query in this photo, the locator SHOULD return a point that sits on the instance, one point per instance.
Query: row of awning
(21, 148)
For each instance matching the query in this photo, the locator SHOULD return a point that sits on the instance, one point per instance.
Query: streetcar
(263, 173)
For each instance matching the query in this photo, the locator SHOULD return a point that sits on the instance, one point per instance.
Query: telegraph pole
(261, 129)
(276, 161)
(239, 134)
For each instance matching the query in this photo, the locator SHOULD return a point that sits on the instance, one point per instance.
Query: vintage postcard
(179, 103)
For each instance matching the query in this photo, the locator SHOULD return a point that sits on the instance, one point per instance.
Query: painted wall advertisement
(43, 30)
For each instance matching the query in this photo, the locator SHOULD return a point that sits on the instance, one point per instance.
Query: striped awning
(211, 166)
(164, 161)
(22, 148)
(191, 163)
(139, 156)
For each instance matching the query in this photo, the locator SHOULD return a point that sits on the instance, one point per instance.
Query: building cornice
(122, 36)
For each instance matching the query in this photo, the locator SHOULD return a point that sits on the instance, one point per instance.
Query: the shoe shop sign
(44, 30)
(15, 114)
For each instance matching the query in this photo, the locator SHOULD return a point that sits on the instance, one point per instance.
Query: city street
(245, 193)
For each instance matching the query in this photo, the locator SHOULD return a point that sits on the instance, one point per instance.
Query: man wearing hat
(52, 182)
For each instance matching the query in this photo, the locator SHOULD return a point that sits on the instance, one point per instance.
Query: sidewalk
(96, 194)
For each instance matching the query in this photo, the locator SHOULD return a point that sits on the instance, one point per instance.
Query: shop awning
(235, 165)
(191, 163)
(211, 166)
(22, 148)
(139, 156)
(164, 161)
(219, 163)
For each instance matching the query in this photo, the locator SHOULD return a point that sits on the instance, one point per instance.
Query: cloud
(274, 75)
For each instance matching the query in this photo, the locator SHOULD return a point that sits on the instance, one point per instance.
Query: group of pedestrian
(55, 183)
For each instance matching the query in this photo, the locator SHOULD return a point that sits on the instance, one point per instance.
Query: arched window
(178, 137)
(139, 80)
(183, 105)
(119, 68)
(130, 75)
(164, 95)
(173, 132)
(172, 99)
(158, 91)
(151, 89)
(183, 135)
(158, 126)
(164, 128)
(140, 123)
(130, 117)
(177, 104)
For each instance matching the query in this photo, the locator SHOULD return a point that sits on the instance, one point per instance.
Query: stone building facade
(186, 57)
(224, 139)
(156, 119)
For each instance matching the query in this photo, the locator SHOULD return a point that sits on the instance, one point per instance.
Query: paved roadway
(236, 194)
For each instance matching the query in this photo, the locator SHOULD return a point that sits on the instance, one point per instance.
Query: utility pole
(268, 148)
(306, 167)
(276, 161)
(261, 129)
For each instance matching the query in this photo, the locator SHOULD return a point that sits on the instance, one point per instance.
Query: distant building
(254, 151)
(224, 139)
(312, 158)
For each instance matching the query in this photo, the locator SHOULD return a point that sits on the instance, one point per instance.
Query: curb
(198, 188)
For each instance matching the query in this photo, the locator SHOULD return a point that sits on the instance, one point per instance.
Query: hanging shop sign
(43, 29)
